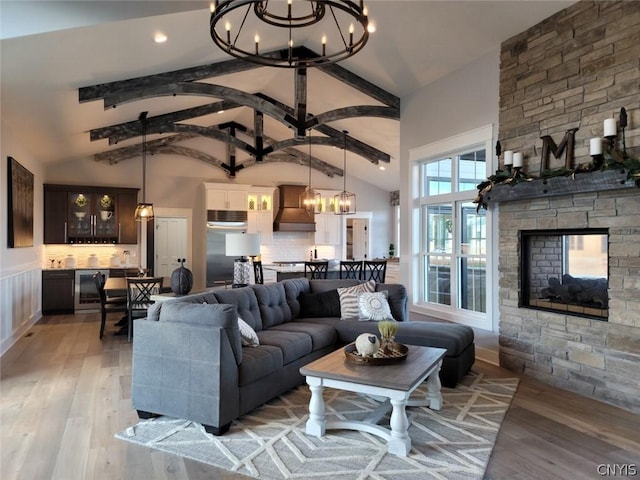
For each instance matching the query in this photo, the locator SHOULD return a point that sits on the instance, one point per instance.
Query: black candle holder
(597, 160)
(611, 140)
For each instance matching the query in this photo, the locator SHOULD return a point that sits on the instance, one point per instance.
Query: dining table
(117, 286)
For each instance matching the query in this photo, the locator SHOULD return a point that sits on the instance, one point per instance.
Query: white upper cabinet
(222, 196)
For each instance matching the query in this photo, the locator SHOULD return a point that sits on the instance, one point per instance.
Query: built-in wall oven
(86, 294)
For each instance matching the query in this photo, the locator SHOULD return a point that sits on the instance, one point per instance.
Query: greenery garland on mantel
(610, 160)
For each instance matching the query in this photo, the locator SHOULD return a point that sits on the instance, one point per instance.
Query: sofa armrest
(184, 371)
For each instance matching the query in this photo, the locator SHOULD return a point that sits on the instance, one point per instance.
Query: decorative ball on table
(181, 279)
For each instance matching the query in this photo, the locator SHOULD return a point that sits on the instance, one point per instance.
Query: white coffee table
(394, 382)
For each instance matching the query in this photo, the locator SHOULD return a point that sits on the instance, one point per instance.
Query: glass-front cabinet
(260, 213)
(92, 216)
(75, 214)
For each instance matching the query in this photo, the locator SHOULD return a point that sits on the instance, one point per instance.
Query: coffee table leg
(400, 442)
(316, 424)
(434, 393)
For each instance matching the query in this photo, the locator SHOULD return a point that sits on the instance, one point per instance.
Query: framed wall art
(20, 205)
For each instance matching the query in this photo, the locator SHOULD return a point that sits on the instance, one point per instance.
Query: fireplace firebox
(565, 271)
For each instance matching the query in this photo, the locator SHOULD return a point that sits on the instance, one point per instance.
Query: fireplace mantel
(584, 182)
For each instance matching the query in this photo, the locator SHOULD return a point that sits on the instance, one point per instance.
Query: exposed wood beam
(258, 134)
(355, 111)
(104, 90)
(124, 131)
(356, 146)
(167, 145)
(300, 108)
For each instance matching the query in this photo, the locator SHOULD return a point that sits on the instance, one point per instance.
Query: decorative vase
(181, 279)
(388, 345)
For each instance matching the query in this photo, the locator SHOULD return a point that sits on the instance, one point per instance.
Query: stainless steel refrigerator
(219, 266)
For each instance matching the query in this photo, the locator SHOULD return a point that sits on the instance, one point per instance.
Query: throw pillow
(248, 336)
(374, 306)
(349, 298)
(323, 304)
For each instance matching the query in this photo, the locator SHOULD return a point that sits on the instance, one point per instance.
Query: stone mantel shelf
(584, 182)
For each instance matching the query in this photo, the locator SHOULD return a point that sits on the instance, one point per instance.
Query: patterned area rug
(270, 443)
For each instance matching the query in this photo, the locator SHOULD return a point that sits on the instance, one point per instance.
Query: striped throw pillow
(349, 299)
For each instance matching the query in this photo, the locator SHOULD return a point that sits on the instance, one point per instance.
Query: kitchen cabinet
(327, 222)
(222, 196)
(260, 213)
(79, 214)
(58, 288)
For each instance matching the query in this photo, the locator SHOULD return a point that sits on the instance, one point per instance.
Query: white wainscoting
(20, 303)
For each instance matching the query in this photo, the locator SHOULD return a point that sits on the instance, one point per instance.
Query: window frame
(453, 147)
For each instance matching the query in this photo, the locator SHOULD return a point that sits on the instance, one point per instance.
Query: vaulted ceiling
(52, 50)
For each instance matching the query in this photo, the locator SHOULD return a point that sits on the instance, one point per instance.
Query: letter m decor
(549, 146)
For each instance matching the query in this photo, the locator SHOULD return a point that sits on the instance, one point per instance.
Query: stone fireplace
(572, 71)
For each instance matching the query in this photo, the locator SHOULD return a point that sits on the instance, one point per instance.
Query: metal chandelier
(341, 26)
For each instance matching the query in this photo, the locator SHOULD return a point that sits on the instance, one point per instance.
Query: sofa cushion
(294, 345)
(245, 301)
(259, 362)
(374, 306)
(455, 338)
(317, 286)
(322, 304)
(397, 299)
(272, 301)
(293, 287)
(349, 298)
(248, 336)
(322, 335)
(223, 316)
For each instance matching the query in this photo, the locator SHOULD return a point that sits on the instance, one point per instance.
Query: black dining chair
(139, 291)
(257, 272)
(375, 270)
(316, 270)
(351, 269)
(107, 304)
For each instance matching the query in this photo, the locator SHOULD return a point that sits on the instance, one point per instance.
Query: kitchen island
(285, 270)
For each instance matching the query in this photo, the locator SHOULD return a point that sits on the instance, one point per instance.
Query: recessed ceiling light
(220, 111)
(382, 167)
(160, 37)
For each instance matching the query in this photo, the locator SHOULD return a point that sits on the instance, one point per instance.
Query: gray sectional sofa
(189, 362)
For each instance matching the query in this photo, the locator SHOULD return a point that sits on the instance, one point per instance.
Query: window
(452, 234)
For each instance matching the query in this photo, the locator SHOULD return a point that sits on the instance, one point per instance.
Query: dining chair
(351, 269)
(316, 270)
(374, 270)
(107, 304)
(257, 272)
(139, 291)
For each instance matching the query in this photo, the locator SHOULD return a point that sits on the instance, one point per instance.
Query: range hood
(290, 217)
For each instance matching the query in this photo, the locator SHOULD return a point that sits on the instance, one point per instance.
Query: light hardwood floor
(64, 394)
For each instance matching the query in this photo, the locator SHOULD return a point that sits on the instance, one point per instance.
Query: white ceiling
(50, 49)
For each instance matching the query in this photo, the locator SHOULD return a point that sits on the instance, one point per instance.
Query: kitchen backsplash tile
(292, 246)
(58, 253)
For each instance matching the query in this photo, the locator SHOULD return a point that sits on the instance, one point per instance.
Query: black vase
(181, 279)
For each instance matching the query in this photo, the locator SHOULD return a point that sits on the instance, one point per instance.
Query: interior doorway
(170, 244)
(357, 234)
(171, 241)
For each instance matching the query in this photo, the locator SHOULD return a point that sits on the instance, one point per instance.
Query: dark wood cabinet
(79, 214)
(57, 291)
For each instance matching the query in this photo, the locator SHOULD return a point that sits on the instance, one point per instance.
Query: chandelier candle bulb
(610, 127)
(595, 146)
(517, 160)
(508, 158)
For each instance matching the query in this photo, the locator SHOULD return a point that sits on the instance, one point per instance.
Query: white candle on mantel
(517, 160)
(595, 146)
(508, 158)
(610, 127)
